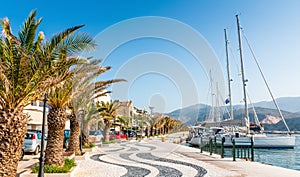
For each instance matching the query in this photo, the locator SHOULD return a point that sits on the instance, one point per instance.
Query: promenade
(153, 158)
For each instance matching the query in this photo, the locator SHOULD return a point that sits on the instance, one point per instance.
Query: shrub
(69, 163)
(109, 142)
(91, 145)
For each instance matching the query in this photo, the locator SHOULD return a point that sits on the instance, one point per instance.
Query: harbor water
(287, 158)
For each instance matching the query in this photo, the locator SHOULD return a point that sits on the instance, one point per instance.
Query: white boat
(264, 141)
(260, 140)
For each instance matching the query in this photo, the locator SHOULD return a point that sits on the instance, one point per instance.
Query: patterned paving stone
(163, 170)
(131, 170)
(149, 156)
(147, 146)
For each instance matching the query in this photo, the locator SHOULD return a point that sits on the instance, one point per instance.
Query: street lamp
(82, 112)
(41, 168)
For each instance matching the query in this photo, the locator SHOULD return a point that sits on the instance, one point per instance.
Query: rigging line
(224, 105)
(234, 58)
(230, 31)
(263, 76)
(256, 120)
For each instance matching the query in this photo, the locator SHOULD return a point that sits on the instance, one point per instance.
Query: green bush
(69, 163)
(109, 142)
(91, 145)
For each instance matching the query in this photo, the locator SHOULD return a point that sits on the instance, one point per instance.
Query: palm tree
(23, 79)
(108, 113)
(125, 122)
(62, 49)
(90, 114)
(83, 93)
(169, 124)
(152, 121)
(87, 92)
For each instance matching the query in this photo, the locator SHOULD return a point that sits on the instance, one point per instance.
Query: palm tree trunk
(56, 124)
(85, 135)
(151, 130)
(106, 132)
(74, 137)
(12, 132)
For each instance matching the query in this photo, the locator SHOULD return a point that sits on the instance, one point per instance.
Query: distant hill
(200, 112)
(290, 104)
(190, 115)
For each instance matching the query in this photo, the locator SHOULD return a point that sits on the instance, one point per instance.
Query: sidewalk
(151, 157)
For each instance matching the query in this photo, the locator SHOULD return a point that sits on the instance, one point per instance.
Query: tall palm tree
(169, 124)
(160, 125)
(83, 93)
(90, 114)
(84, 101)
(63, 49)
(23, 79)
(152, 121)
(108, 112)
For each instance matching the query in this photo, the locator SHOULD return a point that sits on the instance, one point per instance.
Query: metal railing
(212, 145)
(241, 147)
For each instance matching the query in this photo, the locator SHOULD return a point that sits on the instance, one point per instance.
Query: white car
(96, 134)
(32, 142)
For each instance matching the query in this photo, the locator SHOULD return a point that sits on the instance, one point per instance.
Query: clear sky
(162, 68)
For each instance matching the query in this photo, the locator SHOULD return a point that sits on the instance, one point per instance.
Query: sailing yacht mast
(243, 75)
(212, 110)
(228, 76)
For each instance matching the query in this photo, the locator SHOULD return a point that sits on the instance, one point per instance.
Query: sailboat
(261, 140)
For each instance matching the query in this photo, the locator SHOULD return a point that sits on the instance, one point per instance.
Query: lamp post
(41, 168)
(81, 122)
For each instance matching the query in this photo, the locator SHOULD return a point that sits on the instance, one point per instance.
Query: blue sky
(272, 26)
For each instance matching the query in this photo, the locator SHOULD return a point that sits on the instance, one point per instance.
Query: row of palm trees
(106, 112)
(31, 66)
(152, 125)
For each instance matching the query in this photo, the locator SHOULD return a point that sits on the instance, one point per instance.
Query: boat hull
(266, 142)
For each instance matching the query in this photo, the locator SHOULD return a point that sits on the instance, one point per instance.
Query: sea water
(287, 158)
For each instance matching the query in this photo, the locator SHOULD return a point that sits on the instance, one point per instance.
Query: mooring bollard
(233, 149)
(252, 149)
(222, 147)
(201, 145)
(210, 145)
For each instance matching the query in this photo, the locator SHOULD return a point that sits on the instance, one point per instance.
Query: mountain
(290, 104)
(265, 112)
(191, 114)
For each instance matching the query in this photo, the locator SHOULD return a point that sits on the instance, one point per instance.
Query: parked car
(117, 135)
(141, 133)
(67, 134)
(32, 142)
(131, 133)
(96, 134)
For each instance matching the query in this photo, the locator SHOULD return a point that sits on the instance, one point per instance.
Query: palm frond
(59, 38)
(78, 43)
(28, 32)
